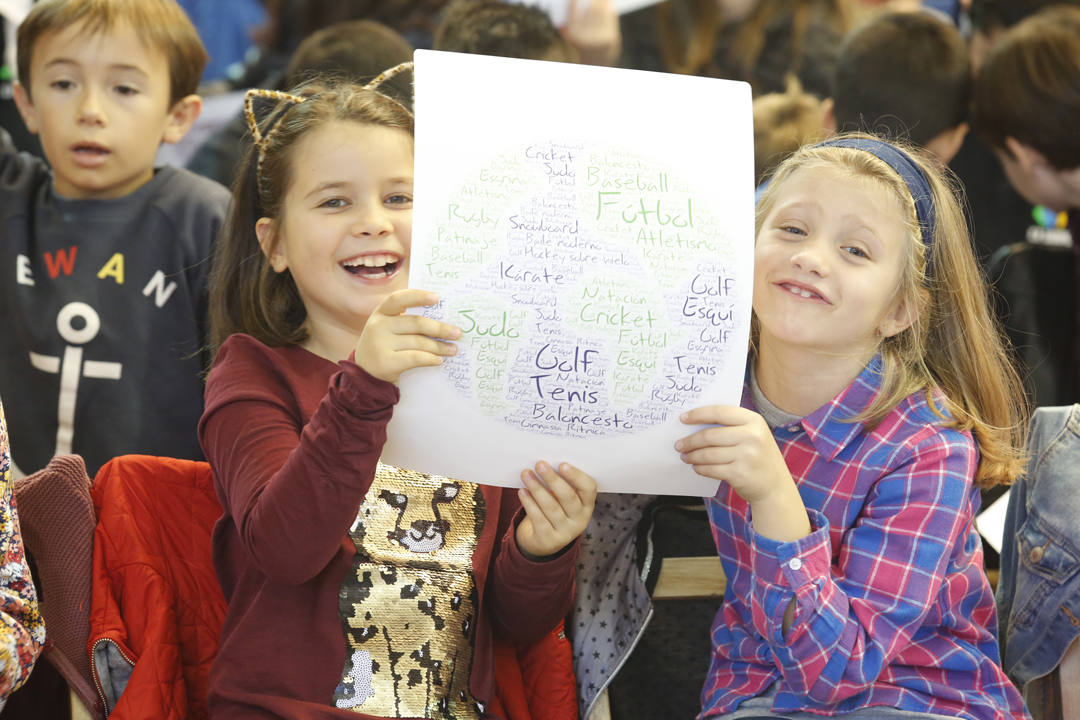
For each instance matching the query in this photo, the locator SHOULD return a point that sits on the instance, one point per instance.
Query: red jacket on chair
(157, 603)
(155, 595)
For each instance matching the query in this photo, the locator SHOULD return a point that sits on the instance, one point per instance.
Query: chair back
(57, 520)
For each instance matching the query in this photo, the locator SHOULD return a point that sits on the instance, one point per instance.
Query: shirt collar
(830, 428)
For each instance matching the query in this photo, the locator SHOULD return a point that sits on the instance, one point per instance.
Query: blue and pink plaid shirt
(892, 605)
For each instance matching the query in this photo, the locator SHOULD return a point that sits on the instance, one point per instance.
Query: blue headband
(913, 177)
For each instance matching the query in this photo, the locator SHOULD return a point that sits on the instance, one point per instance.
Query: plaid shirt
(892, 605)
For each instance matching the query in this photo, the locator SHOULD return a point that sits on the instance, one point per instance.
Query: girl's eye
(333, 203)
(399, 199)
(792, 230)
(856, 251)
(62, 84)
(126, 90)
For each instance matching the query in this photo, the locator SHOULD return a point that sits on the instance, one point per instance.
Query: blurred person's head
(290, 21)
(1027, 106)
(904, 74)
(991, 18)
(355, 51)
(493, 27)
(757, 41)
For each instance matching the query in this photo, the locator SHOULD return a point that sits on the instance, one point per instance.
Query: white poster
(591, 231)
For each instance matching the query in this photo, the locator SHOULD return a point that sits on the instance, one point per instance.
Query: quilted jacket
(157, 608)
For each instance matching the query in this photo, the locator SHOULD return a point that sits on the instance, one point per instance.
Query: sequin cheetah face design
(408, 605)
(416, 529)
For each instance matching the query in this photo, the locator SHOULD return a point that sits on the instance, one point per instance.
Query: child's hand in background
(393, 342)
(740, 451)
(557, 505)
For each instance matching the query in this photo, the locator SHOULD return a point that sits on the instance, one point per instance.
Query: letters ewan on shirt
(63, 262)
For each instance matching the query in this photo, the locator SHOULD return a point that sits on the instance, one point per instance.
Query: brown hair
(354, 51)
(288, 22)
(160, 23)
(692, 50)
(902, 74)
(1028, 87)
(246, 295)
(494, 27)
(955, 342)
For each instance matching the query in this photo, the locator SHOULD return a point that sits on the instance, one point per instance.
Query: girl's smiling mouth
(375, 266)
(803, 291)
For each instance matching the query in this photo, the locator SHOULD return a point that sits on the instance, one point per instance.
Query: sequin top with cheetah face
(408, 605)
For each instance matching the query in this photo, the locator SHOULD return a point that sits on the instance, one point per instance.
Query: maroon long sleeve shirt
(294, 441)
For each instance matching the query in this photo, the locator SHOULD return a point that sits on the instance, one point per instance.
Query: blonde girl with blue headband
(355, 589)
(879, 400)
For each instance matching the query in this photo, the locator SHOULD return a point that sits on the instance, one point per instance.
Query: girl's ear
(899, 319)
(266, 231)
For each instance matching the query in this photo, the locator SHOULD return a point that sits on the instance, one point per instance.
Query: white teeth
(799, 291)
(371, 261)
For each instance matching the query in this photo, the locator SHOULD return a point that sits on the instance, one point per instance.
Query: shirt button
(793, 428)
(1036, 554)
(795, 563)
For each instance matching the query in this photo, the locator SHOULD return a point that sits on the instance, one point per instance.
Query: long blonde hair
(955, 343)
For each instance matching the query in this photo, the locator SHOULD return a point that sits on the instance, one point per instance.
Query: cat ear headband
(257, 112)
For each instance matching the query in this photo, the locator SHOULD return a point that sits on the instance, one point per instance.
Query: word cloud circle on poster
(593, 286)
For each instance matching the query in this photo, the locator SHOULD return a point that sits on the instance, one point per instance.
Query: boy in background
(899, 75)
(353, 50)
(105, 256)
(904, 74)
(493, 27)
(591, 34)
(1027, 101)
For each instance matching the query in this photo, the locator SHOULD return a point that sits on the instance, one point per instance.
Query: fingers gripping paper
(591, 232)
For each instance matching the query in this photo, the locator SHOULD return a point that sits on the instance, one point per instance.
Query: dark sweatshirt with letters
(104, 307)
